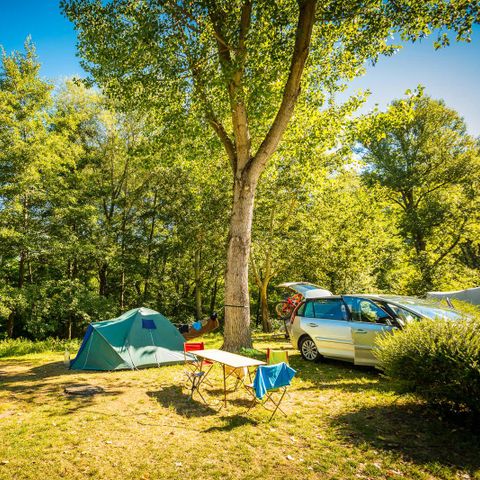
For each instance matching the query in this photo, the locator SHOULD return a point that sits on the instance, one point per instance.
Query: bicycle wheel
(283, 310)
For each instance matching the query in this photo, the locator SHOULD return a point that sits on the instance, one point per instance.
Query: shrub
(21, 346)
(56, 303)
(437, 359)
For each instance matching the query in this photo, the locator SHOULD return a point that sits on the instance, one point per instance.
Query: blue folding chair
(270, 385)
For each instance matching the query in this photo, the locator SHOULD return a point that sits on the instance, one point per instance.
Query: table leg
(224, 386)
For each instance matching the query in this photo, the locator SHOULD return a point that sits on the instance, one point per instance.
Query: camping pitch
(139, 338)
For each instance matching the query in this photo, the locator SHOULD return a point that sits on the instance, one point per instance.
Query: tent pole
(153, 345)
(88, 351)
(128, 351)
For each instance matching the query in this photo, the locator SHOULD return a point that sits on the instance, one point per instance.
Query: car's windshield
(437, 312)
(403, 316)
(431, 310)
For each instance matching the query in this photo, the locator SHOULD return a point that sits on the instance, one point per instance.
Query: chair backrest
(270, 377)
(277, 356)
(193, 346)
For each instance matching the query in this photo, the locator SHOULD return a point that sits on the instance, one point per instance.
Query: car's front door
(367, 321)
(326, 321)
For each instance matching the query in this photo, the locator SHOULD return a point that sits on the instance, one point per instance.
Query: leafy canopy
(205, 57)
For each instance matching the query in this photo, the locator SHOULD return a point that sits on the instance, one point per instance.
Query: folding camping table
(227, 359)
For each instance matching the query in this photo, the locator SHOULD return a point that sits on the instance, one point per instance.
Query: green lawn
(344, 423)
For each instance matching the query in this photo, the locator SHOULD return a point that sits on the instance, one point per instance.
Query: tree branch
(256, 274)
(306, 19)
(175, 8)
(224, 138)
(233, 72)
(209, 113)
(453, 245)
(430, 190)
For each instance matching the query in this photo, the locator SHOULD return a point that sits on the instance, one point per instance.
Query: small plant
(437, 359)
(251, 352)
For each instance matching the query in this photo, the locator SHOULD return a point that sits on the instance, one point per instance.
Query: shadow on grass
(232, 422)
(330, 374)
(41, 383)
(174, 397)
(413, 431)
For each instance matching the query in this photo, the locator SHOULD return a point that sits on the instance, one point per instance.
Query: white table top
(227, 358)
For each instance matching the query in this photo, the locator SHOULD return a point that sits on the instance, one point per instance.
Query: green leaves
(419, 152)
(438, 360)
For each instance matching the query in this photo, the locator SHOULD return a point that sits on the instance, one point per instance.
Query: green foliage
(152, 53)
(21, 346)
(243, 67)
(438, 360)
(105, 207)
(428, 167)
(64, 306)
(98, 210)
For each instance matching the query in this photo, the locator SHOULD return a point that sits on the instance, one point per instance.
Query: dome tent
(139, 338)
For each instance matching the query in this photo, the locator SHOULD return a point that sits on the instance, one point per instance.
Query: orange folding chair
(194, 368)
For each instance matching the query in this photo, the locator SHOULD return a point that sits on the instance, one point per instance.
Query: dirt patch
(83, 390)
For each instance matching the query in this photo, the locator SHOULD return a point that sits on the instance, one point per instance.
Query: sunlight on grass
(343, 422)
(20, 346)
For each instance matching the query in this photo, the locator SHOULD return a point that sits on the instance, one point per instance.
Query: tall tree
(292, 186)
(240, 63)
(420, 152)
(28, 160)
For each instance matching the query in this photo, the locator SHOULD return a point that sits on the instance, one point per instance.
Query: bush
(52, 305)
(437, 359)
(21, 346)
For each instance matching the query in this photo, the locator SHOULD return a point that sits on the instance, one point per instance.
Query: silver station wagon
(345, 327)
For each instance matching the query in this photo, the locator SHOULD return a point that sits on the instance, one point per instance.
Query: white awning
(470, 295)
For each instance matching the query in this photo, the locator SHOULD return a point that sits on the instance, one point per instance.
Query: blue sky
(452, 73)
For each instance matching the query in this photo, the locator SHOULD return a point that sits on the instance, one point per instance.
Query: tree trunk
(198, 286)
(149, 248)
(10, 324)
(21, 269)
(160, 277)
(213, 298)
(30, 272)
(262, 284)
(419, 243)
(102, 277)
(69, 327)
(122, 290)
(247, 168)
(237, 301)
(266, 322)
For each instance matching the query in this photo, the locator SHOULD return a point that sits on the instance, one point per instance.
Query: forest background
(103, 209)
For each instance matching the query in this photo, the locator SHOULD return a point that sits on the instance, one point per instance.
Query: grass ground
(343, 423)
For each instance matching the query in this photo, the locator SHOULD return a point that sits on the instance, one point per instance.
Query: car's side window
(329, 309)
(308, 312)
(301, 310)
(364, 310)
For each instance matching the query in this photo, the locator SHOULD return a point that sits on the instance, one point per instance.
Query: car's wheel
(308, 349)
